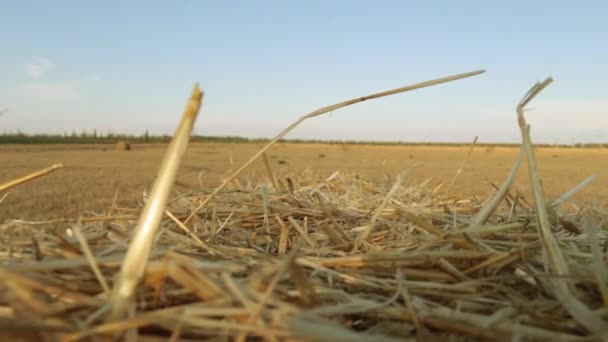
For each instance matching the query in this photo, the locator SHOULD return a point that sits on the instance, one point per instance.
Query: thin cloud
(63, 90)
(38, 67)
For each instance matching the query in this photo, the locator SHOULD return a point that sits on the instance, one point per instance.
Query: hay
(419, 266)
(122, 146)
(305, 257)
(8, 185)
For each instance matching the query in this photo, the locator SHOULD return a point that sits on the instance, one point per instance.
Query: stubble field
(96, 178)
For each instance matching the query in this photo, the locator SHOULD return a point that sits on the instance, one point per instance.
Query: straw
(91, 259)
(572, 192)
(322, 111)
(555, 259)
(488, 209)
(145, 231)
(31, 176)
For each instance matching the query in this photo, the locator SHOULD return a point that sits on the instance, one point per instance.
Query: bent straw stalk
(560, 287)
(322, 111)
(555, 257)
(488, 209)
(571, 192)
(137, 255)
(31, 176)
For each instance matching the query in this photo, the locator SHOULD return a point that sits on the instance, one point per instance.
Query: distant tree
(95, 133)
(146, 137)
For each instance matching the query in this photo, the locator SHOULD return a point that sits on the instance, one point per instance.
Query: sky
(129, 66)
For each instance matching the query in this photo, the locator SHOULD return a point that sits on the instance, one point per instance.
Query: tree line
(96, 137)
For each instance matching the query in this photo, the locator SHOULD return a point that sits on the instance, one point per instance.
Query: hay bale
(123, 146)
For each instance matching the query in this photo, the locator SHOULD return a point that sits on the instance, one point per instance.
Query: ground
(96, 176)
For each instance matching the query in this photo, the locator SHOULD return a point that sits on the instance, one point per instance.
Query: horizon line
(92, 138)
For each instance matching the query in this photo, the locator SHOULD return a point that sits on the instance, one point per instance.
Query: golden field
(95, 177)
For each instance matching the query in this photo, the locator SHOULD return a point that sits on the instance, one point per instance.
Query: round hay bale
(123, 146)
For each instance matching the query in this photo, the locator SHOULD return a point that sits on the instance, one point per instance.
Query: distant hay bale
(123, 146)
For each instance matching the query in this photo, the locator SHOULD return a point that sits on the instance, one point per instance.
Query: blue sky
(129, 66)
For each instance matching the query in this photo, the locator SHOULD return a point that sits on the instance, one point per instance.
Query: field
(96, 177)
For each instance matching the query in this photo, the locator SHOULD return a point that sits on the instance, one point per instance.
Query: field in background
(94, 175)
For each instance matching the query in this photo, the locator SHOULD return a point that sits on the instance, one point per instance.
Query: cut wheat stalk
(370, 227)
(561, 287)
(137, 255)
(91, 259)
(571, 192)
(488, 209)
(31, 176)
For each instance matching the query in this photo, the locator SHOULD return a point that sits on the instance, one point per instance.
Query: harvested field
(291, 260)
(94, 174)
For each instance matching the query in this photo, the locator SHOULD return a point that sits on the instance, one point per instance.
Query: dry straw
(322, 111)
(143, 237)
(300, 257)
(31, 176)
(556, 263)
